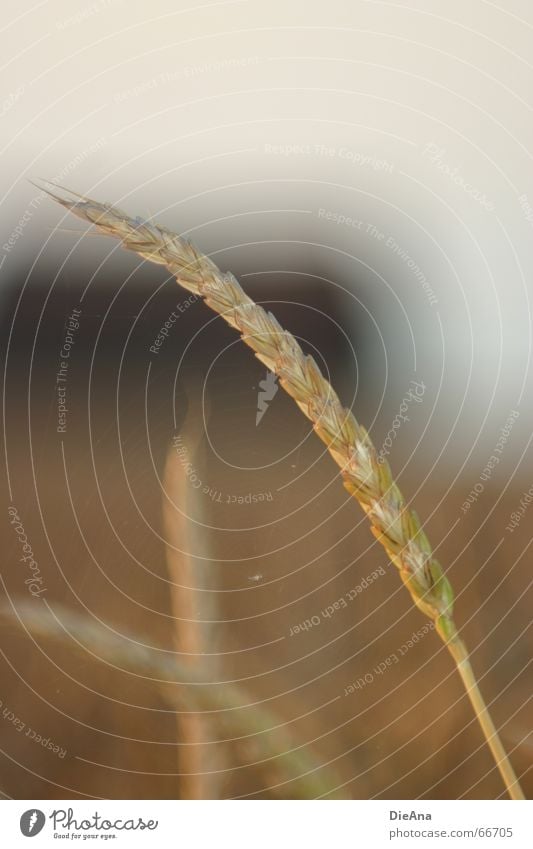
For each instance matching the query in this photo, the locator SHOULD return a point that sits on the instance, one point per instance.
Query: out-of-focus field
(90, 501)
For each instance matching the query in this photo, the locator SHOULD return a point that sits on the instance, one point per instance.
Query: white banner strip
(268, 824)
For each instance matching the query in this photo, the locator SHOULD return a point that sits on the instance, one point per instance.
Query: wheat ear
(396, 526)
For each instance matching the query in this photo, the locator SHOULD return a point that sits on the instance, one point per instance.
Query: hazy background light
(382, 148)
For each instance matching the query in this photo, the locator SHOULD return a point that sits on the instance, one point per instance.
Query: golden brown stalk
(392, 522)
(198, 778)
(230, 708)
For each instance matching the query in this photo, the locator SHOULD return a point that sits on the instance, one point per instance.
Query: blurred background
(364, 169)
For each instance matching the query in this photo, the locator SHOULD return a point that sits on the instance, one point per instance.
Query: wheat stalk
(369, 480)
(200, 779)
(264, 741)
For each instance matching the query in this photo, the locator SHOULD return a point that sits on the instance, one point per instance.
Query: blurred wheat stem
(396, 527)
(198, 776)
(265, 742)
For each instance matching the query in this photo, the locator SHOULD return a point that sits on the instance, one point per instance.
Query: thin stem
(193, 732)
(265, 742)
(460, 654)
(366, 477)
